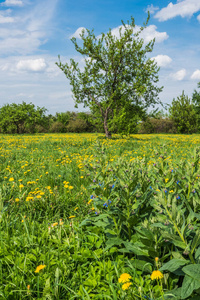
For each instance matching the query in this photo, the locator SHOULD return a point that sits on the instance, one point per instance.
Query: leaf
(193, 271)
(197, 254)
(173, 265)
(47, 288)
(130, 248)
(189, 285)
(113, 242)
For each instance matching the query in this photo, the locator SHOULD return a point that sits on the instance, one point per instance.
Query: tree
(196, 102)
(116, 75)
(183, 114)
(21, 118)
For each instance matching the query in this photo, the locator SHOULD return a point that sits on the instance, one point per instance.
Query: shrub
(57, 127)
(78, 125)
(161, 125)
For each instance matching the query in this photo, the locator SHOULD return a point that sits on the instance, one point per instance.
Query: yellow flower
(126, 285)
(71, 187)
(21, 186)
(166, 179)
(54, 224)
(11, 179)
(40, 267)
(75, 208)
(171, 191)
(156, 259)
(124, 278)
(17, 200)
(72, 217)
(156, 275)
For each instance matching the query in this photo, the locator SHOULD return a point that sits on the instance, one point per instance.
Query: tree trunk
(107, 132)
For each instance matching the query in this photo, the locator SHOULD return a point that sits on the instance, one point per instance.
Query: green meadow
(84, 217)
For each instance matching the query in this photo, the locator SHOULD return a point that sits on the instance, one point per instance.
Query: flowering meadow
(84, 217)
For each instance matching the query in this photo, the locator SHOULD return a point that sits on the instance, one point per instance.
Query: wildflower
(125, 277)
(72, 217)
(156, 259)
(165, 191)
(54, 224)
(126, 285)
(71, 187)
(178, 182)
(178, 197)
(17, 200)
(28, 286)
(171, 191)
(11, 179)
(40, 267)
(75, 208)
(156, 275)
(166, 179)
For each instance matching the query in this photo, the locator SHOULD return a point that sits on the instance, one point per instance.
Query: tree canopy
(117, 77)
(18, 118)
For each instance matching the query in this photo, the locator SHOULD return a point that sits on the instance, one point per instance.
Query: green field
(84, 217)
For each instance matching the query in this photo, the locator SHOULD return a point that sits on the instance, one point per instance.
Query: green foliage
(77, 125)
(117, 76)
(21, 118)
(91, 209)
(183, 114)
(157, 125)
(196, 102)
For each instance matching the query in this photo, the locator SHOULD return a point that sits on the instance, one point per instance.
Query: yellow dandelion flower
(72, 217)
(125, 277)
(11, 179)
(156, 259)
(17, 200)
(126, 285)
(54, 224)
(171, 191)
(40, 267)
(156, 275)
(71, 187)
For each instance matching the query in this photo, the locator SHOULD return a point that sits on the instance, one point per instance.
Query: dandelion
(126, 285)
(156, 275)
(156, 259)
(125, 277)
(17, 200)
(72, 217)
(40, 267)
(71, 187)
(54, 224)
(11, 179)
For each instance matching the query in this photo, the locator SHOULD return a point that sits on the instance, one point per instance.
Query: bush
(162, 125)
(57, 127)
(78, 125)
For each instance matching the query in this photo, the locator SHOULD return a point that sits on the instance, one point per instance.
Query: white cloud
(151, 8)
(30, 31)
(4, 19)
(33, 65)
(198, 18)
(196, 74)
(77, 33)
(148, 34)
(162, 60)
(180, 75)
(12, 3)
(185, 8)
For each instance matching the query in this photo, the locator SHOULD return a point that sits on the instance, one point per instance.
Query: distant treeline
(182, 116)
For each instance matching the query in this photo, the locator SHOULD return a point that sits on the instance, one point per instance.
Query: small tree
(196, 102)
(21, 118)
(183, 114)
(117, 75)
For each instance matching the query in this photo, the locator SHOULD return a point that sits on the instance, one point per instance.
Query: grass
(90, 209)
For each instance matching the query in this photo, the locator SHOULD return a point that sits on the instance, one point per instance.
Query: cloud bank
(185, 8)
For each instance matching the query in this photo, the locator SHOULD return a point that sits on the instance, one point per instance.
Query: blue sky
(34, 32)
